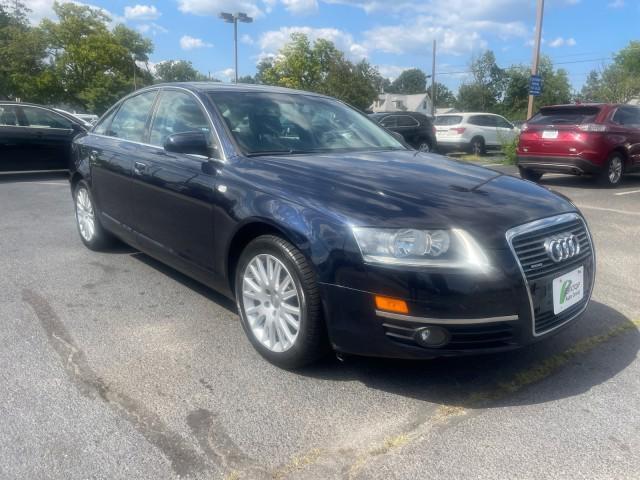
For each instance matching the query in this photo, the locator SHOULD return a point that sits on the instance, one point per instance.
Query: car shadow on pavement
(16, 177)
(188, 282)
(487, 380)
(587, 182)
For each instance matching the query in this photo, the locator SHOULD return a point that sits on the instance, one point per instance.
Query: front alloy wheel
(279, 302)
(271, 303)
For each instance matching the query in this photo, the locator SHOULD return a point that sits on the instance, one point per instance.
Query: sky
(578, 35)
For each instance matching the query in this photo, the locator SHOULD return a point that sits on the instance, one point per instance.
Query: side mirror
(188, 142)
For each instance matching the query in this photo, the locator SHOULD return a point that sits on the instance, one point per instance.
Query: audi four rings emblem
(562, 247)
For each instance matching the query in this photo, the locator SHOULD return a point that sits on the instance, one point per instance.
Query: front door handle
(93, 156)
(139, 168)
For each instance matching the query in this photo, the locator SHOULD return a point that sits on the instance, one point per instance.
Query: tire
(264, 311)
(92, 234)
(611, 175)
(424, 145)
(530, 174)
(477, 146)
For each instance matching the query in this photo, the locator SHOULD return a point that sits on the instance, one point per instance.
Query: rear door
(626, 122)
(50, 136)
(408, 127)
(14, 141)
(505, 130)
(118, 144)
(174, 192)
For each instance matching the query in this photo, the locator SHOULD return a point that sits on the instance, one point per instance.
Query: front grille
(463, 337)
(529, 248)
(540, 270)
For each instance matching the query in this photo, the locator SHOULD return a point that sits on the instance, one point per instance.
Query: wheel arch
(250, 230)
(625, 156)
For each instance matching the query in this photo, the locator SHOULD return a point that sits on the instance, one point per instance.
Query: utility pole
(536, 50)
(231, 18)
(433, 80)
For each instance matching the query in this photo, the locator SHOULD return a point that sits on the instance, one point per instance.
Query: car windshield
(564, 115)
(448, 120)
(264, 123)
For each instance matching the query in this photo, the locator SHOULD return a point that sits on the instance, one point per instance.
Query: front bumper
(480, 313)
(557, 164)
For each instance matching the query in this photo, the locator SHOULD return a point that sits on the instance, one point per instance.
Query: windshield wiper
(275, 152)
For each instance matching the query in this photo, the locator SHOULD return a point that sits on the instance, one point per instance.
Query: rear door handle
(139, 168)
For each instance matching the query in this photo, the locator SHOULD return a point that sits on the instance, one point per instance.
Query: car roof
(62, 113)
(207, 87)
(467, 113)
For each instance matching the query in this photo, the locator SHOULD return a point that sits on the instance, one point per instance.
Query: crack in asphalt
(185, 460)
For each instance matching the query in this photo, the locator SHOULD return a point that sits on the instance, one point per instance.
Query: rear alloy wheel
(279, 303)
(477, 146)
(91, 232)
(530, 174)
(611, 176)
(424, 146)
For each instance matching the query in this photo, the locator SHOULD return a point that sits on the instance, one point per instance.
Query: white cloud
(562, 42)
(616, 4)
(247, 39)
(226, 75)
(41, 9)
(391, 71)
(151, 28)
(272, 41)
(189, 43)
(214, 7)
(300, 7)
(141, 12)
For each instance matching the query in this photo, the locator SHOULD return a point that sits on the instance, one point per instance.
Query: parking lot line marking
(492, 164)
(627, 193)
(613, 210)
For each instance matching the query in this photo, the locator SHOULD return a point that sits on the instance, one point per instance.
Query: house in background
(396, 102)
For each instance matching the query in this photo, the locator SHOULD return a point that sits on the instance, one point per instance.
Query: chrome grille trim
(555, 221)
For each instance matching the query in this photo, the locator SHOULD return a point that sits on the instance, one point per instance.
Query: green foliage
(178, 71)
(409, 81)
(509, 150)
(484, 91)
(320, 67)
(444, 96)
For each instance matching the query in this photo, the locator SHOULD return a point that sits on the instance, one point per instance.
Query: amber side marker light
(391, 304)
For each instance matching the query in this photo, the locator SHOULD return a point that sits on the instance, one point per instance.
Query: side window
(476, 120)
(407, 121)
(627, 116)
(177, 112)
(502, 123)
(103, 125)
(390, 122)
(39, 118)
(130, 121)
(8, 116)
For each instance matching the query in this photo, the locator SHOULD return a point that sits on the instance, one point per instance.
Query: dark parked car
(33, 137)
(327, 231)
(598, 139)
(416, 129)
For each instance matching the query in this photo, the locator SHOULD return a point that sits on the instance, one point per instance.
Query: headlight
(453, 248)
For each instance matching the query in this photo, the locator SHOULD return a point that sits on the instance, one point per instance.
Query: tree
(320, 67)
(444, 96)
(247, 79)
(484, 91)
(592, 89)
(177, 71)
(409, 81)
(93, 65)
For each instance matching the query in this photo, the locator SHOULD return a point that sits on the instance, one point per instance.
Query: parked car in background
(327, 231)
(88, 118)
(473, 132)
(416, 129)
(33, 137)
(598, 139)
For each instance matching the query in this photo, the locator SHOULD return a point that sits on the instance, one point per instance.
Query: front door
(174, 194)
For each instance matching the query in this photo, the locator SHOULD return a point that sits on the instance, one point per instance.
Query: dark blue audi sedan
(327, 231)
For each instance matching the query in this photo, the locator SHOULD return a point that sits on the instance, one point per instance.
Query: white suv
(473, 132)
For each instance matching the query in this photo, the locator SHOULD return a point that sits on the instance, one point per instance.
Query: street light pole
(433, 80)
(536, 50)
(235, 18)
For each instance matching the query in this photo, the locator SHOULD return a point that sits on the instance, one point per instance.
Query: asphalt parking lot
(114, 366)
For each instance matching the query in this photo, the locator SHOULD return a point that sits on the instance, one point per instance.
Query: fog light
(432, 337)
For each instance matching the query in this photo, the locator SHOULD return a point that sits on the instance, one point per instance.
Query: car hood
(405, 189)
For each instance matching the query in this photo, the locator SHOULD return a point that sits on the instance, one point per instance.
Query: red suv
(599, 139)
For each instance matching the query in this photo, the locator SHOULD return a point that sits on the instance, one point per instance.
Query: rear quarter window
(565, 115)
(448, 120)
